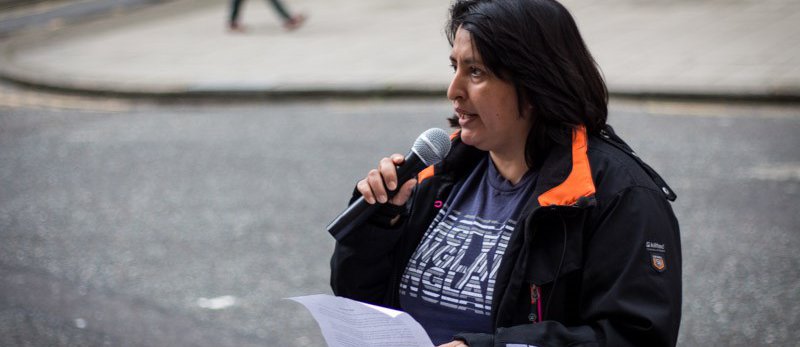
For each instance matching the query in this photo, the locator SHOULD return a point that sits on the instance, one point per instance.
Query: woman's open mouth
(464, 117)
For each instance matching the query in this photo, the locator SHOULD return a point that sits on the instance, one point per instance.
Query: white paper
(350, 323)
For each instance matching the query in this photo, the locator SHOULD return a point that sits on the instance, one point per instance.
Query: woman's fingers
(398, 159)
(374, 187)
(366, 192)
(388, 168)
(404, 193)
(375, 181)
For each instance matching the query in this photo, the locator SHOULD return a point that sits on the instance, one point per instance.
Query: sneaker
(235, 27)
(294, 22)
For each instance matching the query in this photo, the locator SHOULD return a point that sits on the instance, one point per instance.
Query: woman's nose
(456, 89)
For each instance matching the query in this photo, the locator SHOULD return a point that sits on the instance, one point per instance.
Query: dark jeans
(235, 4)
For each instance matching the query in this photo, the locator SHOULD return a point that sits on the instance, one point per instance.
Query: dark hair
(535, 45)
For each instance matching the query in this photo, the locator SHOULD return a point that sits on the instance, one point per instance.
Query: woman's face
(486, 106)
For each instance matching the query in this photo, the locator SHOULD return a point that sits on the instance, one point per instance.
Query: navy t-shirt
(448, 283)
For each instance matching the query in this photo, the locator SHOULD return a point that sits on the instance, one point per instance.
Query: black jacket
(594, 261)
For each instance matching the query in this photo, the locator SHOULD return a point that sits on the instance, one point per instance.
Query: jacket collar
(565, 178)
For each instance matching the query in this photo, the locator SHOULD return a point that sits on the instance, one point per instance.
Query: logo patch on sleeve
(655, 247)
(658, 262)
(658, 255)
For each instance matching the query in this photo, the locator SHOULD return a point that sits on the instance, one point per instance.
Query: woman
(540, 227)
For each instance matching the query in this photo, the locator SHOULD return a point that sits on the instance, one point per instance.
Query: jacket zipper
(536, 304)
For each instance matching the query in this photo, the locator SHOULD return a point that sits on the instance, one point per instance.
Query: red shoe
(235, 27)
(294, 22)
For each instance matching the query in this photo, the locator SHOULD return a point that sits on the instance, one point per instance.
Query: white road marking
(218, 303)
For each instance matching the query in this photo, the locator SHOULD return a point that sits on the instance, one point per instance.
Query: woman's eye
(453, 66)
(475, 72)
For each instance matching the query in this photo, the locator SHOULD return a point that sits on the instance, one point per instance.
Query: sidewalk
(745, 49)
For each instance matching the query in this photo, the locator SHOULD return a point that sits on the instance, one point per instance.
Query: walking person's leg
(289, 22)
(233, 21)
(281, 9)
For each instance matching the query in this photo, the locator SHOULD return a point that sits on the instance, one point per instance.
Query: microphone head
(432, 146)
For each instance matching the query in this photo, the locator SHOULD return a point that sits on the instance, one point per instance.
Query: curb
(343, 91)
(775, 96)
(10, 75)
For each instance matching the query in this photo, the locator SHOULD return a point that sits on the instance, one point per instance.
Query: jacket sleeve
(630, 286)
(362, 263)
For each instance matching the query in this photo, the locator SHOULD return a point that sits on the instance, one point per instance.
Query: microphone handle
(359, 211)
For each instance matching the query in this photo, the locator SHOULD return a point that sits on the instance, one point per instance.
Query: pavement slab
(724, 49)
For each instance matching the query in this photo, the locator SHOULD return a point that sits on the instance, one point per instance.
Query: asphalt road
(134, 224)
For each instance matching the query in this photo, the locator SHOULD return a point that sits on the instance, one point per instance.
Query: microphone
(429, 148)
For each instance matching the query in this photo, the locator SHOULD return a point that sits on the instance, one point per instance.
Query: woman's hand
(455, 343)
(373, 187)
